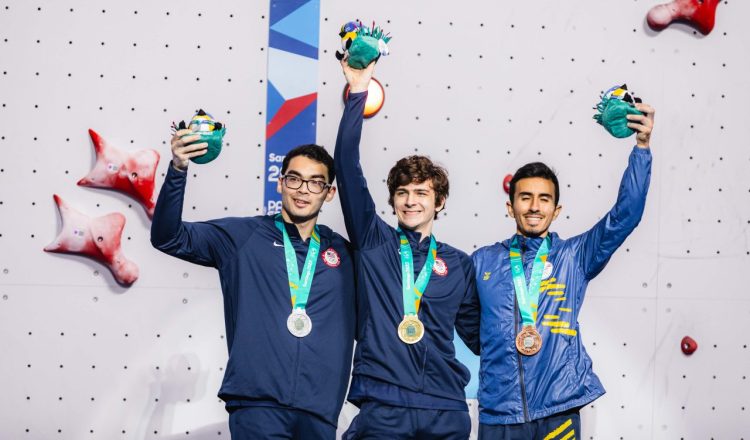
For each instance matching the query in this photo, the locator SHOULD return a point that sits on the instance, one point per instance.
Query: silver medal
(298, 323)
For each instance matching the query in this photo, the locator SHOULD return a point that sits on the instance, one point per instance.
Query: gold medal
(411, 329)
(528, 341)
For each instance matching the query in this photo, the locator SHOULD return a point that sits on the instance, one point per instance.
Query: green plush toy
(361, 44)
(210, 131)
(613, 109)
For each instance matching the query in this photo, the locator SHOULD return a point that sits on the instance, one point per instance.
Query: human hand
(183, 149)
(358, 79)
(642, 124)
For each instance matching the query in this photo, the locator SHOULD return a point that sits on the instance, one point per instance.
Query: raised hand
(183, 150)
(642, 124)
(358, 79)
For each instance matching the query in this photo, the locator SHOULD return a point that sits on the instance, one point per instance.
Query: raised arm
(360, 216)
(205, 243)
(600, 242)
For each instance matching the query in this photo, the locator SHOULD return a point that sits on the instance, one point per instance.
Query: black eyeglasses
(295, 182)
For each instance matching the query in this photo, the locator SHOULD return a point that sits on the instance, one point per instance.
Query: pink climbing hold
(97, 238)
(130, 173)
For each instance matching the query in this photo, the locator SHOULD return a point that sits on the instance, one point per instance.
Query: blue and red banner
(291, 107)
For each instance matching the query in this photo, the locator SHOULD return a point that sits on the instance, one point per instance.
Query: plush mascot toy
(362, 45)
(615, 105)
(211, 132)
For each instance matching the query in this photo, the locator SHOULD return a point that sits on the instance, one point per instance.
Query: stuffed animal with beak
(210, 131)
(362, 45)
(616, 103)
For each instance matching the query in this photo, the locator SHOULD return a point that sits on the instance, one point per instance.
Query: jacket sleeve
(365, 228)
(600, 242)
(467, 320)
(205, 243)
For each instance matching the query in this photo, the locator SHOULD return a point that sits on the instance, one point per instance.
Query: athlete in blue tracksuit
(276, 385)
(538, 396)
(404, 391)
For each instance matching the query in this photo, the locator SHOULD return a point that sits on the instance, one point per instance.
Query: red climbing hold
(688, 345)
(698, 13)
(506, 183)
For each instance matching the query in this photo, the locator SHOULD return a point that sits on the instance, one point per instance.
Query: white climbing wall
(482, 87)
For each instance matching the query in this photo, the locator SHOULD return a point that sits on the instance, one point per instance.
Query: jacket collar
(291, 229)
(530, 244)
(415, 239)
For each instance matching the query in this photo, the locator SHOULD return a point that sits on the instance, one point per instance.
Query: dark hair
(418, 169)
(535, 169)
(314, 152)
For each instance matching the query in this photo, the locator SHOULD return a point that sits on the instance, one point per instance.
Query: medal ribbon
(412, 291)
(528, 298)
(299, 289)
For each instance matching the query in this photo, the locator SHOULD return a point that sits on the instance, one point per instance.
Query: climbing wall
(482, 88)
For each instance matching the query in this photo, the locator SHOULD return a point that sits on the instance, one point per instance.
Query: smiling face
(299, 205)
(534, 206)
(415, 206)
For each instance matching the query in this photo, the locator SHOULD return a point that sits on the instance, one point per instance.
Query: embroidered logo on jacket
(440, 268)
(486, 276)
(331, 257)
(548, 268)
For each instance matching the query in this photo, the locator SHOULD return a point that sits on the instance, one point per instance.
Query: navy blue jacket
(426, 374)
(267, 365)
(515, 388)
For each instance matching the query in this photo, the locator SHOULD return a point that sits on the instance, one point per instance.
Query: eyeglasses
(314, 186)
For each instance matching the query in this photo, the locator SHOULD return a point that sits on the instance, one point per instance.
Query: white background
(482, 87)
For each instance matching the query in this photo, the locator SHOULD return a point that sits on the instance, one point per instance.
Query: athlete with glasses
(315, 185)
(288, 289)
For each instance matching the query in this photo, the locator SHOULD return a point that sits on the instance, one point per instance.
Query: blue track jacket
(515, 388)
(426, 374)
(267, 365)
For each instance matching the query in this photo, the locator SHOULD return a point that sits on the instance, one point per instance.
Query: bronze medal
(411, 329)
(528, 341)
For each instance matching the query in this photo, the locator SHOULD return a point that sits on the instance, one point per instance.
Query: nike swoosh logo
(276, 244)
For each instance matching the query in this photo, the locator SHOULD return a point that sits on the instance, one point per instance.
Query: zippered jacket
(267, 365)
(514, 388)
(426, 374)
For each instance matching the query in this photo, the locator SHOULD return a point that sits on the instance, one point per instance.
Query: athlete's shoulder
(451, 251)
(449, 255)
(337, 240)
(490, 250)
(559, 243)
(237, 222)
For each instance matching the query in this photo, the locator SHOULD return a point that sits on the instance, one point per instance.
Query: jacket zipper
(520, 364)
(297, 362)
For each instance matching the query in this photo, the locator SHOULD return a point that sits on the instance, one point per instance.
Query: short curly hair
(419, 169)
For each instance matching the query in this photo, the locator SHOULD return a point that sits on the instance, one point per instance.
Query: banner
(291, 103)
